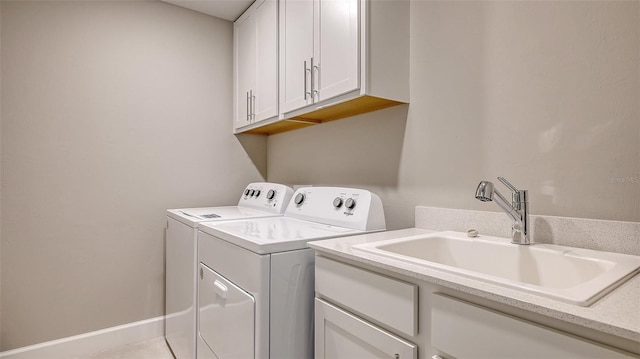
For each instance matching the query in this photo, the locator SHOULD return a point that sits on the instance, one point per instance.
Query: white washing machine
(257, 200)
(256, 276)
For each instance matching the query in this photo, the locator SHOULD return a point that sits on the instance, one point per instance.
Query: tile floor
(151, 349)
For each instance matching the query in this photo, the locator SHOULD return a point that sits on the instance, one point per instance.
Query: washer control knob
(247, 191)
(337, 203)
(350, 203)
(271, 194)
(257, 193)
(253, 191)
(299, 199)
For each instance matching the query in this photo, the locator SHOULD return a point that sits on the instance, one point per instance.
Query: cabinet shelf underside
(357, 106)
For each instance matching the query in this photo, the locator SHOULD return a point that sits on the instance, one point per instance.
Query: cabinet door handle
(253, 106)
(315, 72)
(248, 110)
(313, 91)
(306, 93)
(250, 105)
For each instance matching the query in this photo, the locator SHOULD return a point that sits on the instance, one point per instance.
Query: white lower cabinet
(374, 313)
(462, 330)
(341, 335)
(361, 314)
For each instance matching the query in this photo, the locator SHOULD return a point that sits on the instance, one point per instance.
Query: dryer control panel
(270, 197)
(346, 207)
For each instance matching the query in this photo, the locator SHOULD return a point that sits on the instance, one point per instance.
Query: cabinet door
(245, 67)
(463, 330)
(336, 48)
(265, 104)
(339, 334)
(296, 51)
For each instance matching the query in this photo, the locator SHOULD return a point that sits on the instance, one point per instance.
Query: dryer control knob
(337, 203)
(299, 199)
(350, 203)
(271, 194)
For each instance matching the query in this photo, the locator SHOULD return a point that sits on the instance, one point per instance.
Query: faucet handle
(509, 185)
(517, 196)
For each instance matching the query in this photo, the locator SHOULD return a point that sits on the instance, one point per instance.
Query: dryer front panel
(227, 316)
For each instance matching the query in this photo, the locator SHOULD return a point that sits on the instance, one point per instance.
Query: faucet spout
(517, 210)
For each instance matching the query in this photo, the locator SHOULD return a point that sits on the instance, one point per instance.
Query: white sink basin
(572, 275)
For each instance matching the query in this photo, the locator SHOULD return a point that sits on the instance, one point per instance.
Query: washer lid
(193, 216)
(274, 234)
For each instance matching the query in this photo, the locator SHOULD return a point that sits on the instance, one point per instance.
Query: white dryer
(257, 275)
(257, 200)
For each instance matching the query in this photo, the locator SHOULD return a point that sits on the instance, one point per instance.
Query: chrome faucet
(518, 210)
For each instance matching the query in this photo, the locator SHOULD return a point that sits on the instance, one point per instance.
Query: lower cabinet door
(466, 331)
(339, 334)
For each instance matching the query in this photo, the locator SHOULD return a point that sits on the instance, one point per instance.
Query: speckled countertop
(618, 313)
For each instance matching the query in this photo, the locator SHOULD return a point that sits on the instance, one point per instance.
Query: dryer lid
(274, 234)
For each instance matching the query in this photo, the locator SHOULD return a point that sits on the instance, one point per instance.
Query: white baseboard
(91, 342)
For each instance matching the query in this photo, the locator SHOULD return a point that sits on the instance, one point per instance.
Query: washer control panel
(346, 207)
(272, 197)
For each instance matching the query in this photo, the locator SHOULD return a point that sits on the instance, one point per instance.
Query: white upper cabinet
(319, 47)
(359, 63)
(337, 58)
(244, 69)
(266, 104)
(336, 49)
(256, 65)
(296, 52)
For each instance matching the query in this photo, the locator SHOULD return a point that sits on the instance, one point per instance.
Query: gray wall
(0, 178)
(111, 113)
(546, 94)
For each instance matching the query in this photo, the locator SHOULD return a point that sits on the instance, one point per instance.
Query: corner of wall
(256, 148)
